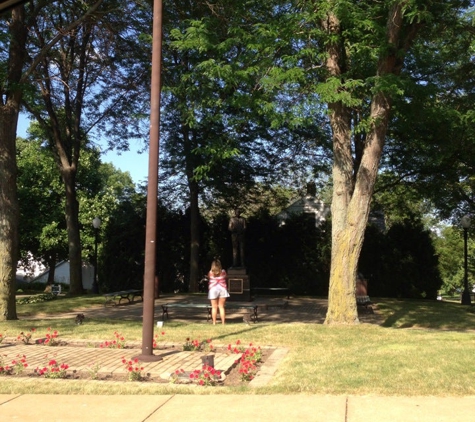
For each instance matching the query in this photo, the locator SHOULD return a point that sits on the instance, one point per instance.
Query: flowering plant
(155, 344)
(179, 373)
(51, 338)
(53, 370)
(5, 369)
(25, 338)
(238, 348)
(19, 364)
(207, 375)
(118, 343)
(2, 337)
(247, 370)
(247, 363)
(191, 345)
(134, 371)
(197, 346)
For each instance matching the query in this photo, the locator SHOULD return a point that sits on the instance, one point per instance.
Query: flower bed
(234, 373)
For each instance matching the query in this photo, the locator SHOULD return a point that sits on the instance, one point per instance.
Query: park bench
(251, 308)
(116, 297)
(274, 291)
(56, 289)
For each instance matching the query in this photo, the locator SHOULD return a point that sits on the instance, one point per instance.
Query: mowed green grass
(420, 348)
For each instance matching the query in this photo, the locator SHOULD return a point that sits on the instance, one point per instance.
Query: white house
(61, 274)
(310, 204)
(306, 205)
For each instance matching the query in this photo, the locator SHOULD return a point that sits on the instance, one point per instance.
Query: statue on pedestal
(237, 227)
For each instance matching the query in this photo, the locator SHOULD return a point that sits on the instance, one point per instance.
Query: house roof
(6, 5)
(306, 205)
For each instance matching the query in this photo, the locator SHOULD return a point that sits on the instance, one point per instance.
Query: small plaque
(235, 285)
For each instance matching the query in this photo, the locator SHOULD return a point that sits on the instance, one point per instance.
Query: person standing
(217, 290)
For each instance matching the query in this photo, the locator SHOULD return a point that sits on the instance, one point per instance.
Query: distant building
(311, 205)
(61, 274)
(306, 205)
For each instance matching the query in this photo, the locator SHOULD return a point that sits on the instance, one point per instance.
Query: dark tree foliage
(371, 263)
(294, 255)
(402, 263)
(120, 265)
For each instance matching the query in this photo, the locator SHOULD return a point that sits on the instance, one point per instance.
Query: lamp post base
(148, 358)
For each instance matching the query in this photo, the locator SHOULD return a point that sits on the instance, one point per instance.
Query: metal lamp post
(96, 223)
(465, 222)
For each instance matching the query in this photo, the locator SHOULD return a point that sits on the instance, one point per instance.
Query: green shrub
(44, 297)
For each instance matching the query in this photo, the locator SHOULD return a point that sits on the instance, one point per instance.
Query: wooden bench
(166, 306)
(275, 291)
(116, 297)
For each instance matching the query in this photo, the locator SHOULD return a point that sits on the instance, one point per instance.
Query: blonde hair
(216, 267)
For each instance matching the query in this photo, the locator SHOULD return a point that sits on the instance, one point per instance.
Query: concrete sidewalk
(235, 408)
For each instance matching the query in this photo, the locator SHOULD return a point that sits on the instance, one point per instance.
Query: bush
(44, 297)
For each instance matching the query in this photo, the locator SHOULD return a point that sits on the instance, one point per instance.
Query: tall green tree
(16, 65)
(432, 134)
(223, 132)
(86, 80)
(358, 52)
(101, 190)
(450, 249)
(41, 199)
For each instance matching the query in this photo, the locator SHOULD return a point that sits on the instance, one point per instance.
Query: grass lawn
(421, 348)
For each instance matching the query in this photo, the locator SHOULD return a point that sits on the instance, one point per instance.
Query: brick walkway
(108, 362)
(83, 358)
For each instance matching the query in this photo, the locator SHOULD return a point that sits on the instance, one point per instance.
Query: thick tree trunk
(9, 209)
(195, 237)
(350, 211)
(9, 212)
(352, 192)
(344, 258)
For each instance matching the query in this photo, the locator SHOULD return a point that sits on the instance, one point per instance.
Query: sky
(133, 162)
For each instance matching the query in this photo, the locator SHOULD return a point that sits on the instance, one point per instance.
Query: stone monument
(238, 279)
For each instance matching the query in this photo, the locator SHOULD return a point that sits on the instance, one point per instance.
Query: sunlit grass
(421, 348)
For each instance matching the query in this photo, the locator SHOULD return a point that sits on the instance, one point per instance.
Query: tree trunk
(9, 209)
(52, 269)
(72, 227)
(9, 212)
(352, 195)
(195, 237)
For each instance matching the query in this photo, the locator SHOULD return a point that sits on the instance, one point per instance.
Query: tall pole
(96, 223)
(95, 285)
(466, 299)
(152, 190)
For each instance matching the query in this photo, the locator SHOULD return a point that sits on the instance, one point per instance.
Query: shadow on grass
(430, 314)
